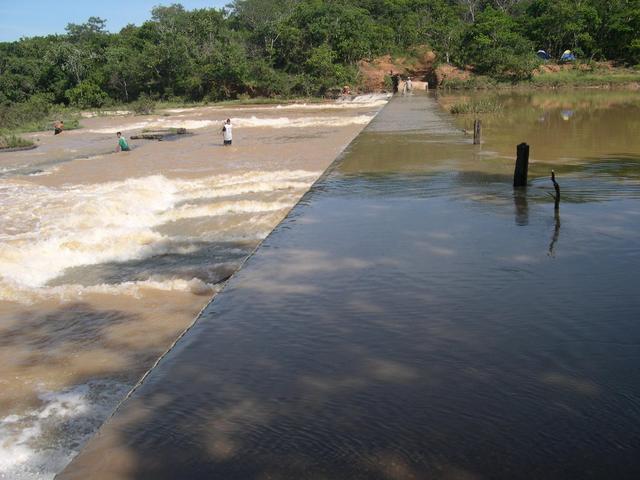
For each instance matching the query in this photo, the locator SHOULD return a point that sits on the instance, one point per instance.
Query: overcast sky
(27, 18)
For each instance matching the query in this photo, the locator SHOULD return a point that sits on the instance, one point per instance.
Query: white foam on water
(105, 113)
(368, 98)
(44, 173)
(181, 110)
(248, 187)
(264, 122)
(250, 182)
(302, 122)
(160, 123)
(120, 128)
(44, 231)
(224, 208)
(70, 416)
(73, 292)
(373, 100)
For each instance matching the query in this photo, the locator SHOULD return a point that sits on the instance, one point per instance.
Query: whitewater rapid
(115, 222)
(98, 276)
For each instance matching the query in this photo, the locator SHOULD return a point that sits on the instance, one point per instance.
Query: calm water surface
(415, 318)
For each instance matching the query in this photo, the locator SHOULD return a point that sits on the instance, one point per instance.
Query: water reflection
(562, 127)
(556, 233)
(522, 206)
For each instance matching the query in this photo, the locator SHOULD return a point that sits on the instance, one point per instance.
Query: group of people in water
(407, 86)
(227, 127)
(123, 145)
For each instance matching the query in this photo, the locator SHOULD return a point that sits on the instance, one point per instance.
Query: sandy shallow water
(106, 258)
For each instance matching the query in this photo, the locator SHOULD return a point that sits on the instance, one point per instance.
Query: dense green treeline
(299, 47)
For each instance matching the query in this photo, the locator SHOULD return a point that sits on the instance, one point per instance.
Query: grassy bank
(475, 107)
(14, 141)
(580, 76)
(586, 78)
(35, 115)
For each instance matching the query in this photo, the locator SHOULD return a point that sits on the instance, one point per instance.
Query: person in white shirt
(407, 87)
(227, 132)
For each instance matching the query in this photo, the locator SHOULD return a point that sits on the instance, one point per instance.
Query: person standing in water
(407, 86)
(227, 132)
(123, 146)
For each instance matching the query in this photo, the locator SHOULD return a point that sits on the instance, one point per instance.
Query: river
(106, 258)
(416, 317)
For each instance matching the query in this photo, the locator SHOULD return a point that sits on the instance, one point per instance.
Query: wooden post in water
(477, 131)
(522, 166)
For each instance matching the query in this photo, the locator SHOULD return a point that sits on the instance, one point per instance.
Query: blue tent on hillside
(567, 56)
(543, 55)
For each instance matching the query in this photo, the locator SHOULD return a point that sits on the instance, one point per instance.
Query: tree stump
(522, 166)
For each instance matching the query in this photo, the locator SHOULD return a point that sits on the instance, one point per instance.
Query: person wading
(123, 146)
(227, 132)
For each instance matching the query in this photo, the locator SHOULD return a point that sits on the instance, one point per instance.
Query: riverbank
(374, 80)
(422, 64)
(582, 76)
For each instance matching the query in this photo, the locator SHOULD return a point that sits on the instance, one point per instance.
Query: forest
(284, 48)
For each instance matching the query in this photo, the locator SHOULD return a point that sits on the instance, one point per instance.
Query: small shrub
(86, 95)
(388, 83)
(475, 107)
(145, 105)
(34, 115)
(475, 82)
(34, 109)
(14, 141)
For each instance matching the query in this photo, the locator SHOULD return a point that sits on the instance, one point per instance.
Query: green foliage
(476, 82)
(495, 48)
(446, 29)
(578, 78)
(283, 48)
(557, 25)
(36, 114)
(86, 95)
(620, 30)
(145, 105)
(14, 141)
(475, 107)
(37, 107)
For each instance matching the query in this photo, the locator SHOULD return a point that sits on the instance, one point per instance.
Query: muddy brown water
(106, 258)
(413, 317)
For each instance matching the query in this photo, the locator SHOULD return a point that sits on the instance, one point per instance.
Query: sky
(28, 18)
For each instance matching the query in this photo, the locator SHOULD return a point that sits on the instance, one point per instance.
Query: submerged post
(477, 132)
(522, 166)
(557, 188)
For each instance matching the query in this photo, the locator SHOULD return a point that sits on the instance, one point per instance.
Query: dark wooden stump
(557, 189)
(477, 132)
(522, 166)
